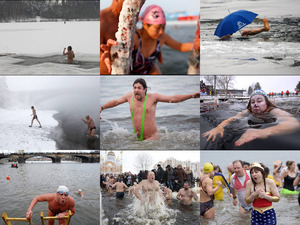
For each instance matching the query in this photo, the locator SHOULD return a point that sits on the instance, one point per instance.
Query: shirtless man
(150, 189)
(131, 189)
(186, 194)
(145, 126)
(109, 20)
(167, 194)
(70, 54)
(110, 184)
(238, 182)
(34, 117)
(207, 191)
(120, 188)
(91, 126)
(58, 204)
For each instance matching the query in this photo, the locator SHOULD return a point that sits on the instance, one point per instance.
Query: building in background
(110, 163)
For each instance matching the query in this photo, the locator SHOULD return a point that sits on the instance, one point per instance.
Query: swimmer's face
(258, 104)
(256, 175)
(186, 186)
(154, 30)
(62, 198)
(238, 169)
(151, 176)
(139, 91)
(293, 166)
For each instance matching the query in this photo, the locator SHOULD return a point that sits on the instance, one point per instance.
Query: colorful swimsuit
(263, 212)
(142, 65)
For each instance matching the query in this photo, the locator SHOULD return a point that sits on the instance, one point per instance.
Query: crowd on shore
(172, 177)
(251, 186)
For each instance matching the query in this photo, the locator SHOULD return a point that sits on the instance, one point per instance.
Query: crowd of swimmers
(170, 180)
(251, 186)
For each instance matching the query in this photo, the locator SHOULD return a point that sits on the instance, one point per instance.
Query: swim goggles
(62, 192)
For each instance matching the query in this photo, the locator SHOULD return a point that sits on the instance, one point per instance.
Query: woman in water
(147, 43)
(288, 177)
(261, 192)
(262, 110)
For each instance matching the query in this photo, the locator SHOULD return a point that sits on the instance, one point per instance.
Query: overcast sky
(167, 5)
(267, 83)
(129, 157)
(33, 83)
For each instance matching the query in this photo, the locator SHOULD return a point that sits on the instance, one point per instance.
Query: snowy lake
(36, 47)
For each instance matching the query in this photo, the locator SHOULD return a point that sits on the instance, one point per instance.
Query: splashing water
(152, 212)
(102, 220)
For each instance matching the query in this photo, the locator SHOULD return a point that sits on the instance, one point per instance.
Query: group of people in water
(159, 181)
(249, 186)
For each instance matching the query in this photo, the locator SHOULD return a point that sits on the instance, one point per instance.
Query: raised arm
(209, 187)
(182, 47)
(64, 52)
(114, 103)
(175, 98)
(105, 54)
(286, 125)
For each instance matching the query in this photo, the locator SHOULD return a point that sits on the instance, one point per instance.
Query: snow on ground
(17, 135)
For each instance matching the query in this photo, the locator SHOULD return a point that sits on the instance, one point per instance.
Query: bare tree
(224, 83)
(212, 80)
(143, 161)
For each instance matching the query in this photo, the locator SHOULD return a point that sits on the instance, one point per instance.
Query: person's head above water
(150, 176)
(259, 102)
(69, 48)
(153, 14)
(139, 88)
(62, 194)
(208, 168)
(154, 21)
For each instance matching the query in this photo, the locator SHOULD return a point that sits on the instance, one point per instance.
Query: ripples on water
(177, 133)
(30, 180)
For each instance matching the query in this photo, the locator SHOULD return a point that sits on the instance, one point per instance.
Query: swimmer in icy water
(70, 54)
(252, 31)
(59, 204)
(147, 43)
(109, 20)
(261, 108)
(143, 107)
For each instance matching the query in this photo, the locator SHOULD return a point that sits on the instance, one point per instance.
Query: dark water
(30, 180)
(175, 62)
(233, 132)
(59, 59)
(119, 212)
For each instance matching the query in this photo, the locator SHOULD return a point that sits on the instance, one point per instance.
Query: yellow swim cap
(208, 167)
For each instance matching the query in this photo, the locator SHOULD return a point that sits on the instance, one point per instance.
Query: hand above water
(250, 135)
(212, 134)
(106, 55)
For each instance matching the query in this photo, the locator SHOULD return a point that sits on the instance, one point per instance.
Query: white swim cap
(63, 189)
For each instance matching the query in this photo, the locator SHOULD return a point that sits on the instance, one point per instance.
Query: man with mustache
(143, 108)
(58, 204)
(186, 194)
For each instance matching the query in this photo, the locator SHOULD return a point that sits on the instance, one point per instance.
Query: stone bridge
(86, 157)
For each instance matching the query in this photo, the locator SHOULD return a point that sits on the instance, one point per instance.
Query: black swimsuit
(205, 206)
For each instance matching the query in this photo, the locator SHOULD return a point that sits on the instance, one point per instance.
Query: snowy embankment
(17, 135)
